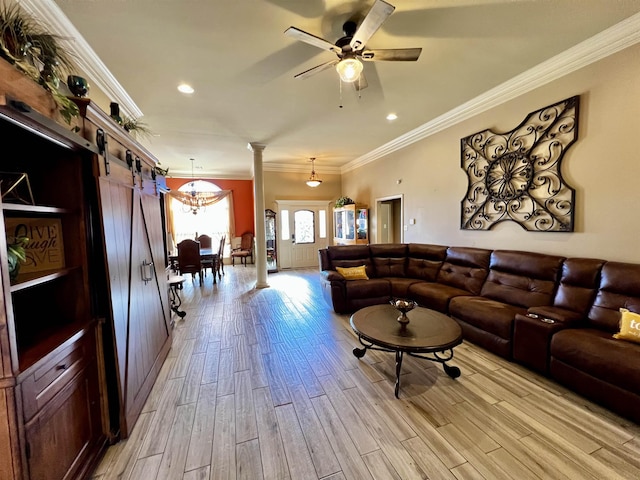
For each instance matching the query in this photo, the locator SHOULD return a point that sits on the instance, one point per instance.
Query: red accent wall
(242, 199)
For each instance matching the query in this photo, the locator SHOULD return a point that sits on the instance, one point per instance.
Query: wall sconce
(313, 181)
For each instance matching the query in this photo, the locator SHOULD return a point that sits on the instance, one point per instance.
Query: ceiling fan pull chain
(340, 82)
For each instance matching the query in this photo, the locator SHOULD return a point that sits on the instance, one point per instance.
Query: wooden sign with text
(45, 250)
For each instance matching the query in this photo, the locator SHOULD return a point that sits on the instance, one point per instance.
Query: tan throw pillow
(353, 273)
(629, 326)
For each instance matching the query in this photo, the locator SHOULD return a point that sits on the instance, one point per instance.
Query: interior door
(303, 230)
(389, 220)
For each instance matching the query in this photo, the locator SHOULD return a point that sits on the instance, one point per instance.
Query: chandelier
(193, 201)
(313, 181)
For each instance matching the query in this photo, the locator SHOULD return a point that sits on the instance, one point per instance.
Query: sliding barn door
(134, 250)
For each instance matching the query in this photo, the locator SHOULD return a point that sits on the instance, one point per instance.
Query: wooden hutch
(351, 225)
(79, 351)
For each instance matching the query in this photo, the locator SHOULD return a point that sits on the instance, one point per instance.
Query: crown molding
(288, 168)
(618, 37)
(48, 12)
(209, 176)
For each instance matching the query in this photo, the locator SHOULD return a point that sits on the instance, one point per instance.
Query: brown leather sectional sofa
(552, 314)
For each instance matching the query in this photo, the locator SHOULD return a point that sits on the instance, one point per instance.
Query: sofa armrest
(332, 276)
(556, 314)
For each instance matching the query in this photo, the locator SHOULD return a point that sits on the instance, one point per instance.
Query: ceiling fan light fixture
(313, 181)
(349, 69)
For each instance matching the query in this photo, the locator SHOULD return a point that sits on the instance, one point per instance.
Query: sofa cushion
(389, 267)
(629, 326)
(375, 287)
(351, 256)
(597, 353)
(434, 295)
(353, 273)
(424, 261)
(389, 259)
(465, 268)
(388, 250)
(619, 288)
(400, 286)
(524, 279)
(486, 314)
(579, 282)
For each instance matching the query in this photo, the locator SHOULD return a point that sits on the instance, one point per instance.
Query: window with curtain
(213, 220)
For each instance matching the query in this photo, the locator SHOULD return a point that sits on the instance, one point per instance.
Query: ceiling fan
(351, 48)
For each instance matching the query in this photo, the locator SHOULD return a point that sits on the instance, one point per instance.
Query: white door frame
(285, 249)
(378, 201)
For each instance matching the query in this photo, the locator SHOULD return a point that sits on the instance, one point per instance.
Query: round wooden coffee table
(428, 332)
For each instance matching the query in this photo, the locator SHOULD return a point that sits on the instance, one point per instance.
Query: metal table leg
(175, 285)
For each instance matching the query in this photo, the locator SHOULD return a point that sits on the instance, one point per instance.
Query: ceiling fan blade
(391, 55)
(316, 69)
(361, 83)
(311, 39)
(371, 23)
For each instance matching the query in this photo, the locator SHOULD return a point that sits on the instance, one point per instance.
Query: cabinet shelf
(34, 209)
(47, 340)
(29, 280)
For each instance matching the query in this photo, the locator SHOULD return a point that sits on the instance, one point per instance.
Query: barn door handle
(147, 271)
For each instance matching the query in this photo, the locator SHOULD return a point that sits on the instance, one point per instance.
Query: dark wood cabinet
(51, 410)
(65, 430)
(84, 327)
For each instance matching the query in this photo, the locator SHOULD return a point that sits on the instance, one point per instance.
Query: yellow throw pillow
(353, 273)
(629, 326)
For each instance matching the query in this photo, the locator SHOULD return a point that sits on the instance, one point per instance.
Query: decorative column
(258, 194)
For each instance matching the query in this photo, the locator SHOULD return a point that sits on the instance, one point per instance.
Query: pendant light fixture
(313, 181)
(194, 201)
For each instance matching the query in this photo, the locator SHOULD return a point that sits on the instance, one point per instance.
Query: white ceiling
(235, 55)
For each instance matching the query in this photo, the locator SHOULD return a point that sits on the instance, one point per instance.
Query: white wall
(603, 166)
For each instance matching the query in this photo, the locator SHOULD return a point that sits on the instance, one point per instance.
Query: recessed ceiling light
(392, 116)
(184, 88)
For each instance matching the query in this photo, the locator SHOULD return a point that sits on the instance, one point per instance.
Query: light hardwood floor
(262, 384)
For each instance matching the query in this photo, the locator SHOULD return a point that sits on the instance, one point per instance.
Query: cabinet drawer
(53, 372)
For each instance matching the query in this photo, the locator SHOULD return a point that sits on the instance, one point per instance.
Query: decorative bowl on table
(403, 306)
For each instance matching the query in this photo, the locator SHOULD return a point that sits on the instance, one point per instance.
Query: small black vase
(77, 85)
(115, 112)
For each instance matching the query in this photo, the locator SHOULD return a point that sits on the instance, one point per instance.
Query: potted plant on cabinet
(16, 254)
(342, 201)
(36, 53)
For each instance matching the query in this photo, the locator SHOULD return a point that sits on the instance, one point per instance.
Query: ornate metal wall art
(516, 175)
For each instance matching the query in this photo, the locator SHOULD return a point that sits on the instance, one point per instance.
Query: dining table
(205, 254)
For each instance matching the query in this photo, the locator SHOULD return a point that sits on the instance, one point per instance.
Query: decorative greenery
(67, 108)
(16, 254)
(162, 171)
(342, 201)
(36, 53)
(135, 126)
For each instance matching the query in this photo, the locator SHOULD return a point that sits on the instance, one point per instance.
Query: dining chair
(220, 258)
(244, 250)
(189, 258)
(207, 261)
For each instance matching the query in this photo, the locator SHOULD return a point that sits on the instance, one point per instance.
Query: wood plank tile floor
(262, 384)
